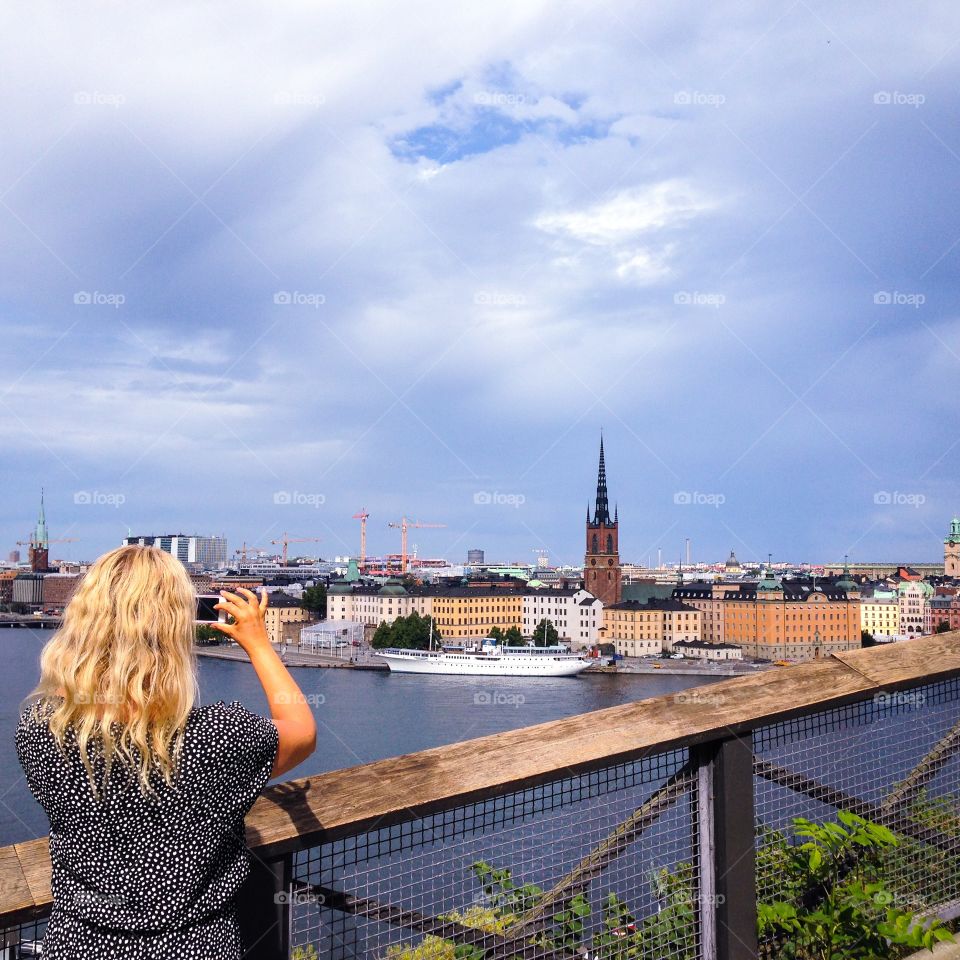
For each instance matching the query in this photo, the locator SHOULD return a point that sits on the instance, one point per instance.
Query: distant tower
(601, 564)
(951, 550)
(40, 542)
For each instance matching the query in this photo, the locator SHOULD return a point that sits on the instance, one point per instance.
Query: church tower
(601, 564)
(951, 550)
(40, 543)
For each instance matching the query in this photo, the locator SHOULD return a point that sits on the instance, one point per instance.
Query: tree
(867, 639)
(496, 634)
(513, 637)
(943, 627)
(207, 636)
(545, 634)
(314, 599)
(406, 633)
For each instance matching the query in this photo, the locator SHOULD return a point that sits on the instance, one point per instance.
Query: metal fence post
(264, 909)
(734, 860)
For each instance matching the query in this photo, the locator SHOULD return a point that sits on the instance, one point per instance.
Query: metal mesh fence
(604, 862)
(894, 761)
(22, 939)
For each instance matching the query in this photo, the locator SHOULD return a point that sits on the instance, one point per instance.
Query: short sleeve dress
(141, 876)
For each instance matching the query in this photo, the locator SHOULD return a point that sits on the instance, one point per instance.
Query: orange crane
(405, 525)
(286, 541)
(242, 552)
(362, 517)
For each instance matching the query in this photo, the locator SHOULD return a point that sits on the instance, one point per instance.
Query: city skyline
(421, 285)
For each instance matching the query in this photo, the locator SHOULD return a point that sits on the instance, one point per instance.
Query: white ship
(488, 660)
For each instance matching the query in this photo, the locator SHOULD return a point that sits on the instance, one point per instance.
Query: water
(361, 715)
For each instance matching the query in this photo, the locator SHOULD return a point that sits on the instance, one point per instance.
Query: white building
(880, 614)
(913, 598)
(208, 552)
(576, 614)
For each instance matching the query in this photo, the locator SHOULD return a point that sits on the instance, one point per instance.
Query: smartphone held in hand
(205, 609)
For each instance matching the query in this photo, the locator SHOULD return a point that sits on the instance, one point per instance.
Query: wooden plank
(301, 813)
(15, 892)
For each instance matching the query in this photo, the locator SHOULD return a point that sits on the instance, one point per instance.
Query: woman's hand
(248, 627)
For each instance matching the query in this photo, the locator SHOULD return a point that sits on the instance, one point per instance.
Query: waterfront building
(57, 589)
(602, 573)
(643, 628)
(913, 596)
(210, 553)
(6, 586)
(28, 591)
(283, 609)
(475, 558)
(701, 650)
(794, 619)
(473, 612)
(576, 614)
(708, 599)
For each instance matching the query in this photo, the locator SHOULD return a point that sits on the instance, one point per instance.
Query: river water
(361, 715)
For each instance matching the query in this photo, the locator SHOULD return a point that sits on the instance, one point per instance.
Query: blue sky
(342, 258)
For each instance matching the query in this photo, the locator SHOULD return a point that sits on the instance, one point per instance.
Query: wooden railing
(300, 814)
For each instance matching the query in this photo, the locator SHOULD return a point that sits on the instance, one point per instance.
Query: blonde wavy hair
(121, 670)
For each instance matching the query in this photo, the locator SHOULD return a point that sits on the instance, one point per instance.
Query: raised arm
(288, 706)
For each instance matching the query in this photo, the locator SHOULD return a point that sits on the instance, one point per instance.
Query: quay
(294, 658)
(663, 827)
(13, 620)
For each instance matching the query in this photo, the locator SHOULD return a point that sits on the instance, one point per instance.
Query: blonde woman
(145, 791)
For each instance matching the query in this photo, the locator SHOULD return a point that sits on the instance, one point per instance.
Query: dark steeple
(601, 513)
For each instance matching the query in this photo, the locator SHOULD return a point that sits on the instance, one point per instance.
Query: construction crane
(362, 517)
(286, 541)
(404, 526)
(33, 543)
(244, 550)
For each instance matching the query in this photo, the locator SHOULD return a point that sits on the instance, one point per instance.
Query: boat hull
(466, 665)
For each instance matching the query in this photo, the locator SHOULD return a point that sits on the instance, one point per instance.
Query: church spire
(40, 537)
(601, 513)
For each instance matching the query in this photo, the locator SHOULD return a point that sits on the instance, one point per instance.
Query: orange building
(793, 619)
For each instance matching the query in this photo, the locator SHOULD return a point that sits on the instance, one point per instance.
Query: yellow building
(638, 629)
(466, 612)
(281, 609)
(880, 615)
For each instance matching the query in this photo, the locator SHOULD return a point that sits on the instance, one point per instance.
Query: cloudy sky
(264, 265)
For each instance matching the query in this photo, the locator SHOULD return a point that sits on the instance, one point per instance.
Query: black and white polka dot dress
(143, 877)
